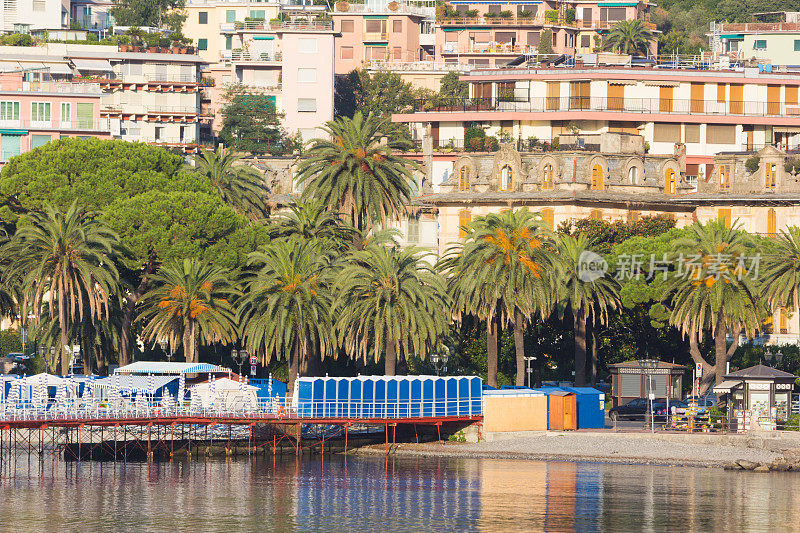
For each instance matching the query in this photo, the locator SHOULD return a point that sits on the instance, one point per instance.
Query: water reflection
(409, 494)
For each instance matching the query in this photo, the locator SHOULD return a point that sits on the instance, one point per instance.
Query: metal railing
(610, 104)
(268, 25)
(61, 87)
(432, 66)
(371, 36)
(103, 125)
(401, 8)
(531, 21)
(491, 48)
(246, 55)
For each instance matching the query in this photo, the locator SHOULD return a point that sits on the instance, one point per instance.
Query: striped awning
(160, 367)
(146, 384)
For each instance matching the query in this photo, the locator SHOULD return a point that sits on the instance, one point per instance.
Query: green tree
(504, 267)
(588, 297)
(347, 94)
(629, 37)
(713, 293)
(143, 12)
(190, 302)
(356, 174)
(311, 220)
(545, 46)
(252, 124)
(65, 261)
(781, 271)
(391, 301)
(239, 186)
(452, 88)
(286, 308)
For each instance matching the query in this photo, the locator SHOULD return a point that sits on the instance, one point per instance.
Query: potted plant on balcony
(525, 14)
(551, 15)
(471, 13)
(491, 16)
(506, 15)
(569, 16)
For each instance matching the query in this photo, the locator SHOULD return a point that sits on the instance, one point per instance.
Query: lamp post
(239, 357)
(439, 359)
(42, 354)
(164, 344)
(529, 367)
(647, 366)
(771, 357)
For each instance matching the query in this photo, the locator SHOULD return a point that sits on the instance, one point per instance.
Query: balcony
(376, 36)
(491, 48)
(532, 21)
(239, 56)
(613, 105)
(420, 66)
(100, 124)
(314, 25)
(399, 9)
(60, 87)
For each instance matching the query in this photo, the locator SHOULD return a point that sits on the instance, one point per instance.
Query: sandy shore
(609, 448)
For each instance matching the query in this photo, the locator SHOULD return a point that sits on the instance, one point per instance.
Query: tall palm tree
(713, 294)
(391, 300)
(65, 264)
(191, 302)
(239, 186)
(781, 271)
(285, 311)
(311, 220)
(356, 173)
(629, 37)
(587, 296)
(504, 267)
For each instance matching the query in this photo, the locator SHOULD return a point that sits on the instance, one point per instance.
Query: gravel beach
(611, 447)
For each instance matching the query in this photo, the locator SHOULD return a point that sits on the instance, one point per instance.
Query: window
(230, 16)
(397, 26)
(40, 112)
(597, 178)
(202, 17)
(724, 216)
(692, 133)
(306, 75)
(39, 5)
(413, 229)
(463, 179)
(633, 175)
(159, 133)
(725, 176)
(258, 14)
(347, 52)
(586, 41)
(9, 110)
(506, 178)
(160, 72)
(375, 26)
(665, 99)
(132, 68)
(66, 113)
(669, 181)
(9, 146)
(306, 105)
(616, 97)
(307, 46)
(229, 42)
(377, 53)
(547, 178)
(770, 170)
(783, 320)
(760, 44)
(596, 214)
(464, 218)
(494, 8)
(202, 44)
(39, 140)
(720, 134)
(348, 26)
(397, 53)
(772, 225)
(548, 217)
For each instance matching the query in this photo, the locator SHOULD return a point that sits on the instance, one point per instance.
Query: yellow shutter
(669, 181)
(784, 319)
(464, 218)
(597, 178)
(724, 215)
(721, 89)
(697, 97)
(791, 95)
(773, 99)
(665, 99)
(548, 217)
(725, 176)
(553, 95)
(616, 97)
(737, 98)
(769, 175)
(771, 223)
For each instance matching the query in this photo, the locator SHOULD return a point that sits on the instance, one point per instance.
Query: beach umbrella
(14, 393)
(61, 393)
(269, 390)
(151, 387)
(211, 389)
(181, 390)
(140, 402)
(166, 402)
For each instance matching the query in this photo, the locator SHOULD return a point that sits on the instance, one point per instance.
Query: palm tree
(586, 294)
(781, 271)
(629, 37)
(310, 220)
(239, 186)
(356, 173)
(713, 293)
(392, 301)
(503, 272)
(286, 308)
(65, 264)
(191, 302)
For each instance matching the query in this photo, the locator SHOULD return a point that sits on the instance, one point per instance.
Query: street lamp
(164, 344)
(529, 367)
(439, 360)
(239, 357)
(42, 354)
(647, 366)
(776, 357)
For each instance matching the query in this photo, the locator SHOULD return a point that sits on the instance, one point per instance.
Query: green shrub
(491, 144)
(16, 39)
(475, 144)
(474, 139)
(792, 423)
(569, 16)
(551, 15)
(791, 165)
(471, 13)
(506, 14)
(10, 342)
(752, 164)
(525, 14)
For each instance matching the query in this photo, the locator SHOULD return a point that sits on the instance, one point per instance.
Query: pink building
(489, 33)
(396, 33)
(33, 113)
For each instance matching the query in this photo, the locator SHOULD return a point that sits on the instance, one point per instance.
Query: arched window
(669, 181)
(547, 178)
(725, 176)
(772, 226)
(463, 179)
(596, 214)
(506, 178)
(633, 175)
(769, 175)
(548, 217)
(464, 218)
(597, 178)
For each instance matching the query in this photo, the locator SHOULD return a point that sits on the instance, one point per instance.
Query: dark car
(635, 409)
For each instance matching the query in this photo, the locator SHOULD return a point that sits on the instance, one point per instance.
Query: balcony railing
(92, 124)
(531, 21)
(246, 55)
(491, 48)
(60, 87)
(372, 36)
(314, 25)
(612, 104)
(431, 66)
(151, 109)
(401, 8)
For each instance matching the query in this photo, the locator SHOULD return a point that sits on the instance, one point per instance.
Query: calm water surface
(406, 494)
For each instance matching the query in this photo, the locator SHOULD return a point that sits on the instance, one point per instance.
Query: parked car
(635, 409)
(679, 405)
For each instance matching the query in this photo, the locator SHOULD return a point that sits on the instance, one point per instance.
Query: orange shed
(563, 409)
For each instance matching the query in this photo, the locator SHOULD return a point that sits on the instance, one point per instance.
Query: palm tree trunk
(720, 347)
(187, 345)
(86, 352)
(593, 378)
(62, 323)
(491, 352)
(579, 323)
(126, 341)
(390, 360)
(519, 345)
(294, 365)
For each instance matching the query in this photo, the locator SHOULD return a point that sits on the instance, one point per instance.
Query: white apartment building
(23, 16)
